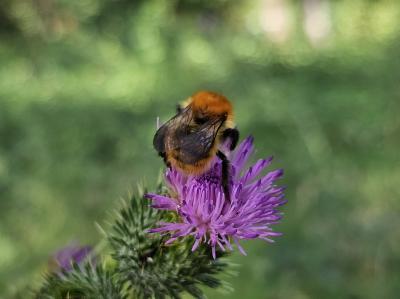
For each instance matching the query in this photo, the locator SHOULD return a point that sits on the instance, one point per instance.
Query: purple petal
(239, 246)
(161, 202)
(243, 152)
(196, 244)
(255, 170)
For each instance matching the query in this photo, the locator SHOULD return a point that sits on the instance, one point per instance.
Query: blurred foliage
(81, 85)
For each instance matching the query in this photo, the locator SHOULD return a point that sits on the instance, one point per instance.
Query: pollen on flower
(206, 215)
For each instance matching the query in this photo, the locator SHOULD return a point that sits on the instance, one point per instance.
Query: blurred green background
(315, 81)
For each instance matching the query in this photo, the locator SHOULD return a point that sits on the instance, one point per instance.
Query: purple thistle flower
(205, 214)
(68, 255)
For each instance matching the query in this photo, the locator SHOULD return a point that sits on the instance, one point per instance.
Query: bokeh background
(315, 81)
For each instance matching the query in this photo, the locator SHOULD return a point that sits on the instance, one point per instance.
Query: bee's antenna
(158, 122)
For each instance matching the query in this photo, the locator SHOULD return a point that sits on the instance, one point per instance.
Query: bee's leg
(164, 156)
(233, 135)
(225, 174)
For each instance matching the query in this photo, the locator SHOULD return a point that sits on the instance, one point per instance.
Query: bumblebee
(191, 139)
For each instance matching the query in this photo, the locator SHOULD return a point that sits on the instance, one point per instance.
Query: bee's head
(207, 104)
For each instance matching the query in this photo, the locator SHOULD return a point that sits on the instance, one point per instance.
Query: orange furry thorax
(207, 102)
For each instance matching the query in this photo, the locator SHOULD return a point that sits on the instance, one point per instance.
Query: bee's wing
(167, 136)
(197, 144)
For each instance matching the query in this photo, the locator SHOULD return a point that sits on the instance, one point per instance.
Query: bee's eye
(201, 119)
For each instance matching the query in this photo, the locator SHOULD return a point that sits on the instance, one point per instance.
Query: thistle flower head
(68, 255)
(204, 213)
